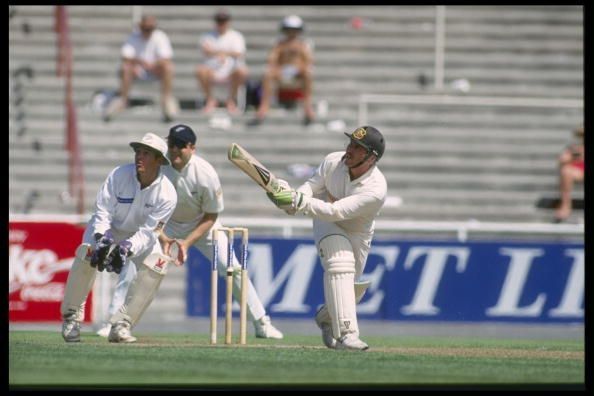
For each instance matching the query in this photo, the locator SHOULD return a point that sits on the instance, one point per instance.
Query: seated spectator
(224, 52)
(571, 170)
(290, 62)
(146, 55)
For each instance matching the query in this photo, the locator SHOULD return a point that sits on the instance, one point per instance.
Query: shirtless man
(289, 64)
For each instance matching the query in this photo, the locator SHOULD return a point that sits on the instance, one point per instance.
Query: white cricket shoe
(351, 341)
(120, 332)
(326, 328)
(265, 329)
(104, 330)
(71, 330)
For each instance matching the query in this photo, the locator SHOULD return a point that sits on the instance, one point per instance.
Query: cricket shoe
(351, 341)
(327, 336)
(265, 329)
(120, 332)
(104, 330)
(71, 329)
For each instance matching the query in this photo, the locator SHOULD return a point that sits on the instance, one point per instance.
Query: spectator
(571, 170)
(224, 52)
(289, 62)
(146, 55)
(131, 208)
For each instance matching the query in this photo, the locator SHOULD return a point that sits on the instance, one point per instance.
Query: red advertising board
(40, 257)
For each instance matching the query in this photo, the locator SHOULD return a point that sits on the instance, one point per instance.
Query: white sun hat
(292, 22)
(153, 142)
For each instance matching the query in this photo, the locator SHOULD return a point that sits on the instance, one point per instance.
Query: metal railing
(499, 101)
(288, 226)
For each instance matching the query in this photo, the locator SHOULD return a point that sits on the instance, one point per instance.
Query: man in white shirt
(343, 197)
(146, 55)
(200, 200)
(224, 61)
(131, 208)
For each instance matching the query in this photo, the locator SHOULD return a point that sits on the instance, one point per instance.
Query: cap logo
(179, 129)
(359, 133)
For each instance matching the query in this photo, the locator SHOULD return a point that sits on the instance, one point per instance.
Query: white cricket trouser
(128, 272)
(361, 242)
(125, 278)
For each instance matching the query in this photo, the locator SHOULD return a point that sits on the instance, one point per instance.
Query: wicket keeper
(132, 205)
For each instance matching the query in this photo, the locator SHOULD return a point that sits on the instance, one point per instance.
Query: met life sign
(497, 281)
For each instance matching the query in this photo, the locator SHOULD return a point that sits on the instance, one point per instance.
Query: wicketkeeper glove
(102, 244)
(116, 259)
(290, 201)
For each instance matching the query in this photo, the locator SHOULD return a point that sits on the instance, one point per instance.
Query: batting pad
(141, 293)
(339, 279)
(157, 262)
(79, 283)
(323, 316)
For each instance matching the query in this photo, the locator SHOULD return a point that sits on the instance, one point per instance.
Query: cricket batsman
(343, 197)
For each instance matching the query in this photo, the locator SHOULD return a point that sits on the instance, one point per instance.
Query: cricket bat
(253, 168)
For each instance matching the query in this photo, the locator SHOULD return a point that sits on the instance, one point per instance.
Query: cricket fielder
(133, 204)
(200, 200)
(343, 197)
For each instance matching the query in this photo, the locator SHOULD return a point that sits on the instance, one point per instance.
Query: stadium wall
(422, 279)
(540, 280)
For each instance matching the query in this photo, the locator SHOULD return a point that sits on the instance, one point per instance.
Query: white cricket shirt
(132, 213)
(199, 191)
(352, 205)
(156, 47)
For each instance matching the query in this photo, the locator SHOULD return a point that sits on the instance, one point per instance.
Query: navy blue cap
(182, 133)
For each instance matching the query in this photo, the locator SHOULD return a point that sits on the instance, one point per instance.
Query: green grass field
(42, 358)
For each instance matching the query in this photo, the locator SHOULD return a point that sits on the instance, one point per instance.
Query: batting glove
(102, 244)
(283, 185)
(290, 201)
(117, 257)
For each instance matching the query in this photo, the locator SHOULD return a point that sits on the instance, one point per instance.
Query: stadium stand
(444, 162)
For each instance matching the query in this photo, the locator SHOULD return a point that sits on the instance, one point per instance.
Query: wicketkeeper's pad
(79, 283)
